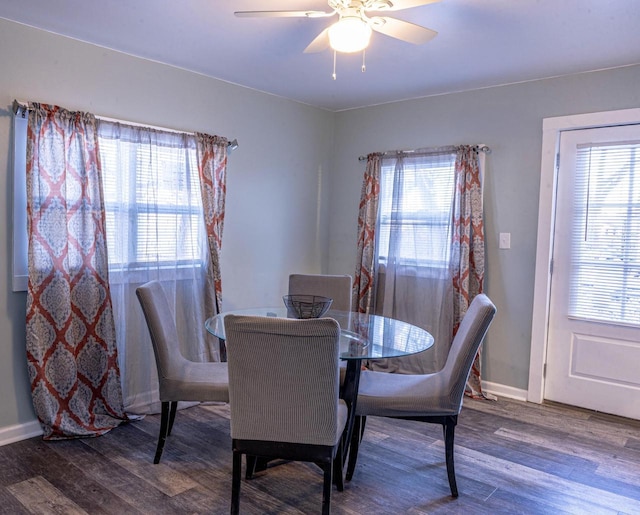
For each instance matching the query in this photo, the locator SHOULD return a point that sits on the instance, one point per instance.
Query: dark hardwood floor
(511, 457)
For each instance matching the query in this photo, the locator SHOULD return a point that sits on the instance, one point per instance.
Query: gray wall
(509, 120)
(275, 213)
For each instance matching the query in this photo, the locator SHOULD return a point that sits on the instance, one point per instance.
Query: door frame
(551, 129)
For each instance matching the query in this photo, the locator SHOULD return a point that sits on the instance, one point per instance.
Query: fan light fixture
(350, 34)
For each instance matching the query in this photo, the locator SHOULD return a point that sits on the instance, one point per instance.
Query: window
(152, 203)
(152, 200)
(606, 247)
(421, 215)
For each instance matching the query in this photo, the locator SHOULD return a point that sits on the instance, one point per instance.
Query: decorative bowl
(306, 306)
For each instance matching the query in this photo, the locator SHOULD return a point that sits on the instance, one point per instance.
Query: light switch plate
(505, 240)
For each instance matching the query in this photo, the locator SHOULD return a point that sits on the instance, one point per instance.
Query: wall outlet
(505, 240)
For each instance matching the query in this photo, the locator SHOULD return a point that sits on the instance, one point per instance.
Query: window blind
(605, 258)
(419, 217)
(152, 213)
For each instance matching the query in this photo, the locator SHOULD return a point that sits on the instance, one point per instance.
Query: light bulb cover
(350, 34)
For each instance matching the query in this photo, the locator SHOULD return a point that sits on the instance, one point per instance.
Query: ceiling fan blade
(403, 30)
(283, 14)
(398, 5)
(320, 43)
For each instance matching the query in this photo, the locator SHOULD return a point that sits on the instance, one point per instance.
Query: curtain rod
(24, 107)
(481, 148)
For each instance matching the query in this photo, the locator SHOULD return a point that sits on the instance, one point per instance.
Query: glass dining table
(362, 337)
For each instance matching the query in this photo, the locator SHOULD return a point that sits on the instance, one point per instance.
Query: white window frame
(19, 263)
(129, 264)
(424, 262)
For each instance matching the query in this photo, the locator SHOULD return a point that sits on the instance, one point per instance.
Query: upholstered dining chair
(179, 379)
(435, 398)
(283, 391)
(336, 287)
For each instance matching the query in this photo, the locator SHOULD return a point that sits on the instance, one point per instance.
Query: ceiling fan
(352, 32)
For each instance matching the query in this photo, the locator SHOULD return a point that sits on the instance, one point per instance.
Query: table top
(362, 336)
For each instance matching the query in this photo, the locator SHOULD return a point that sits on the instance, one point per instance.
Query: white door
(593, 351)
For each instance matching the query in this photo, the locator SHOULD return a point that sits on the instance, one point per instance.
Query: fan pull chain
(335, 59)
(334, 65)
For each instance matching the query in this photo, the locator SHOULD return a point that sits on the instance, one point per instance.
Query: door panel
(604, 359)
(593, 351)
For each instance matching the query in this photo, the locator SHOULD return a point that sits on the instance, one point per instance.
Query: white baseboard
(501, 390)
(15, 433)
(143, 403)
(139, 404)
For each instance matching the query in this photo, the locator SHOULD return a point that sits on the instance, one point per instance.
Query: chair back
(162, 328)
(283, 379)
(464, 348)
(336, 287)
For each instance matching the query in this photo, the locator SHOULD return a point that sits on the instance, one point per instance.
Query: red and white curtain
(466, 265)
(212, 166)
(363, 298)
(70, 332)
(467, 260)
(88, 347)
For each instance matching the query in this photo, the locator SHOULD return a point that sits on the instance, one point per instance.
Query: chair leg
(251, 466)
(326, 488)
(235, 483)
(449, 427)
(338, 461)
(164, 425)
(356, 437)
(172, 415)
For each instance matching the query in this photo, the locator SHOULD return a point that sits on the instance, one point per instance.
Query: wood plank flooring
(511, 457)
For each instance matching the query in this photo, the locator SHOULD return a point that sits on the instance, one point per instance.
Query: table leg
(223, 349)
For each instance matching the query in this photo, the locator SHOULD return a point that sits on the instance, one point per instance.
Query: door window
(605, 278)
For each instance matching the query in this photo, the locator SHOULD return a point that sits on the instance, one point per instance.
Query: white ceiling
(480, 43)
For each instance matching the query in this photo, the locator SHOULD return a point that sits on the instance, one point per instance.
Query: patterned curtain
(468, 246)
(212, 166)
(366, 260)
(70, 332)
